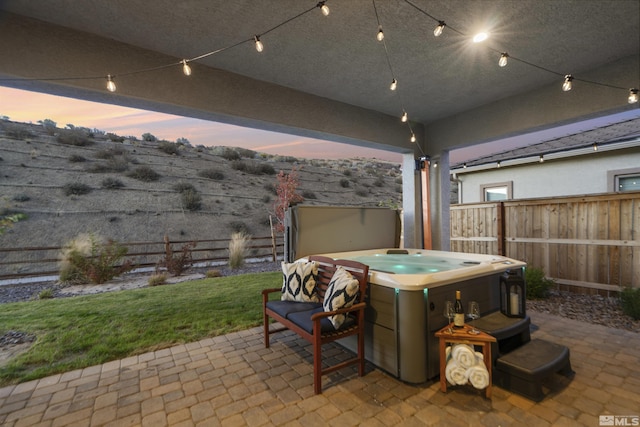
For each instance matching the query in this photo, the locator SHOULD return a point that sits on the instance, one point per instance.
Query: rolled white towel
(479, 357)
(478, 376)
(456, 374)
(464, 355)
(447, 352)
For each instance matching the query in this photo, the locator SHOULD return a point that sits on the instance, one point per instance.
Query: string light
(499, 165)
(595, 146)
(439, 29)
(186, 69)
(394, 84)
(464, 166)
(567, 85)
(541, 158)
(404, 117)
(259, 45)
(380, 35)
(324, 8)
(111, 85)
(480, 37)
(633, 96)
(503, 59)
(413, 137)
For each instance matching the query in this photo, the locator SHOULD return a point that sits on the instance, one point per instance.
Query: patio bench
(312, 310)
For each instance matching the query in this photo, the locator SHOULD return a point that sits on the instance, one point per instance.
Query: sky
(26, 107)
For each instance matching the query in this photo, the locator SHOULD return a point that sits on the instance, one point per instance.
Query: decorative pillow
(299, 282)
(342, 292)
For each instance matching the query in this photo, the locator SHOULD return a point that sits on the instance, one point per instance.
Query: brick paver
(233, 380)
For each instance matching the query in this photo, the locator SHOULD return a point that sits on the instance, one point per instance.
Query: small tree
(176, 264)
(287, 196)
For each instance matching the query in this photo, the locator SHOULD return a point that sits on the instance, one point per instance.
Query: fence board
(591, 239)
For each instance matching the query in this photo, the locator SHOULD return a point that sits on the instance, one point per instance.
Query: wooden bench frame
(326, 268)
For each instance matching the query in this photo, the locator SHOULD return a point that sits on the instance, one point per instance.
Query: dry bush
(76, 189)
(176, 264)
(157, 280)
(144, 173)
(238, 246)
(211, 174)
(91, 259)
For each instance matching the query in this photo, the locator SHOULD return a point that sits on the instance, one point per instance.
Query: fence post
(274, 252)
(500, 227)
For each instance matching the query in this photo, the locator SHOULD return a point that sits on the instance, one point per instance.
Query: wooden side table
(462, 336)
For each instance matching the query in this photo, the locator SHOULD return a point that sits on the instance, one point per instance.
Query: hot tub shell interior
(405, 310)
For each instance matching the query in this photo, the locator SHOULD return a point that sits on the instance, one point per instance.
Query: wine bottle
(458, 318)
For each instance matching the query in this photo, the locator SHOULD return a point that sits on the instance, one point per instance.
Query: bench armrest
(266, 292)
(355, 307)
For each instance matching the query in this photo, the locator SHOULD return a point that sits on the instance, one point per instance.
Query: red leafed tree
(287, 196)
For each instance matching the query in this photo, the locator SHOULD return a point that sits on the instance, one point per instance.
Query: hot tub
(405, 301)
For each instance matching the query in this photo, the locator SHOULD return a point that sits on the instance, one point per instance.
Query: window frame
(507, 184)
(613, 178)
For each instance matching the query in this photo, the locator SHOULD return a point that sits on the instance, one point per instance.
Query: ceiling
(337, 56)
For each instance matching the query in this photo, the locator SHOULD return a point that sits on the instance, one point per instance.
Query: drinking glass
(474, 313)
(449, 313)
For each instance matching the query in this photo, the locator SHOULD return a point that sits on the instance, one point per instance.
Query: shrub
(112, 183)
(76, 189)
(271, 188)
(630, 300)
(73, 137)
(266, 198)
(115, 138)
(379, 182)
(191, 200)
(239, 227)
(45, 294)
(176, 264)
(211, 174)
(169, 148)
(245, 152)
(144, 173)
(307, 194)
(76, 158)
(17, 131)
(182, 187)
(362, 192)
(21, 198)
(346, 172)
(344, 183)
(238, 249)
(157, 280)
(537, 284)
(88, 259)
(230, 154)
(149, 137)
(49, 126)
(212, 273)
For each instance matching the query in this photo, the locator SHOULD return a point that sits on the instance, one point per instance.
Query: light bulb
(633, 96)
(413, 137)
(111, 85)
(324, 8)
(595, 146)
(394, 84)
(405, 117)
(186, 69)
(435, 165)
(259, 45)
(499, 165)
(380, 35)
(503, 59)
(480, 37)
(541, 158)
(464, 166)
(439, 29)
(567, 85)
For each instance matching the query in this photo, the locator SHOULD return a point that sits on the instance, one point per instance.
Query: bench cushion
(303, 319)
(299, 281)
(285, 308)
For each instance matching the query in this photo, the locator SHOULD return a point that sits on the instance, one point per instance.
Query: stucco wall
(586, 174)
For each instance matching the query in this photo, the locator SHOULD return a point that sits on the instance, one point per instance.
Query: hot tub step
(523, 370)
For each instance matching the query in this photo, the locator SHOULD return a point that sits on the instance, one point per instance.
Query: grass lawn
(82, 331)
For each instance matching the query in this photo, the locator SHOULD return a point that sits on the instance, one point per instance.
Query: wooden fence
(20, 264)
(590, 242)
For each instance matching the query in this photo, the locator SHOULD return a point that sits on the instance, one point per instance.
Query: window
(624, 180)
(497, 191)
(628, 183)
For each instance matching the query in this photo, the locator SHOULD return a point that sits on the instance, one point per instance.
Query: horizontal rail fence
(588, 242)
(30, 262)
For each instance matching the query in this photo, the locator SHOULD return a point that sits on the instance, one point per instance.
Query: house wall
(586, 174)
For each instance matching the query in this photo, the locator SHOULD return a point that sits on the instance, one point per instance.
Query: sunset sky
(25, 106)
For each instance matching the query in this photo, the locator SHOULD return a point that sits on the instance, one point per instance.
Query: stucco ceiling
(337, 56)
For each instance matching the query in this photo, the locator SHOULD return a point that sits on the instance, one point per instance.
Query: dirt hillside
(71, 181)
